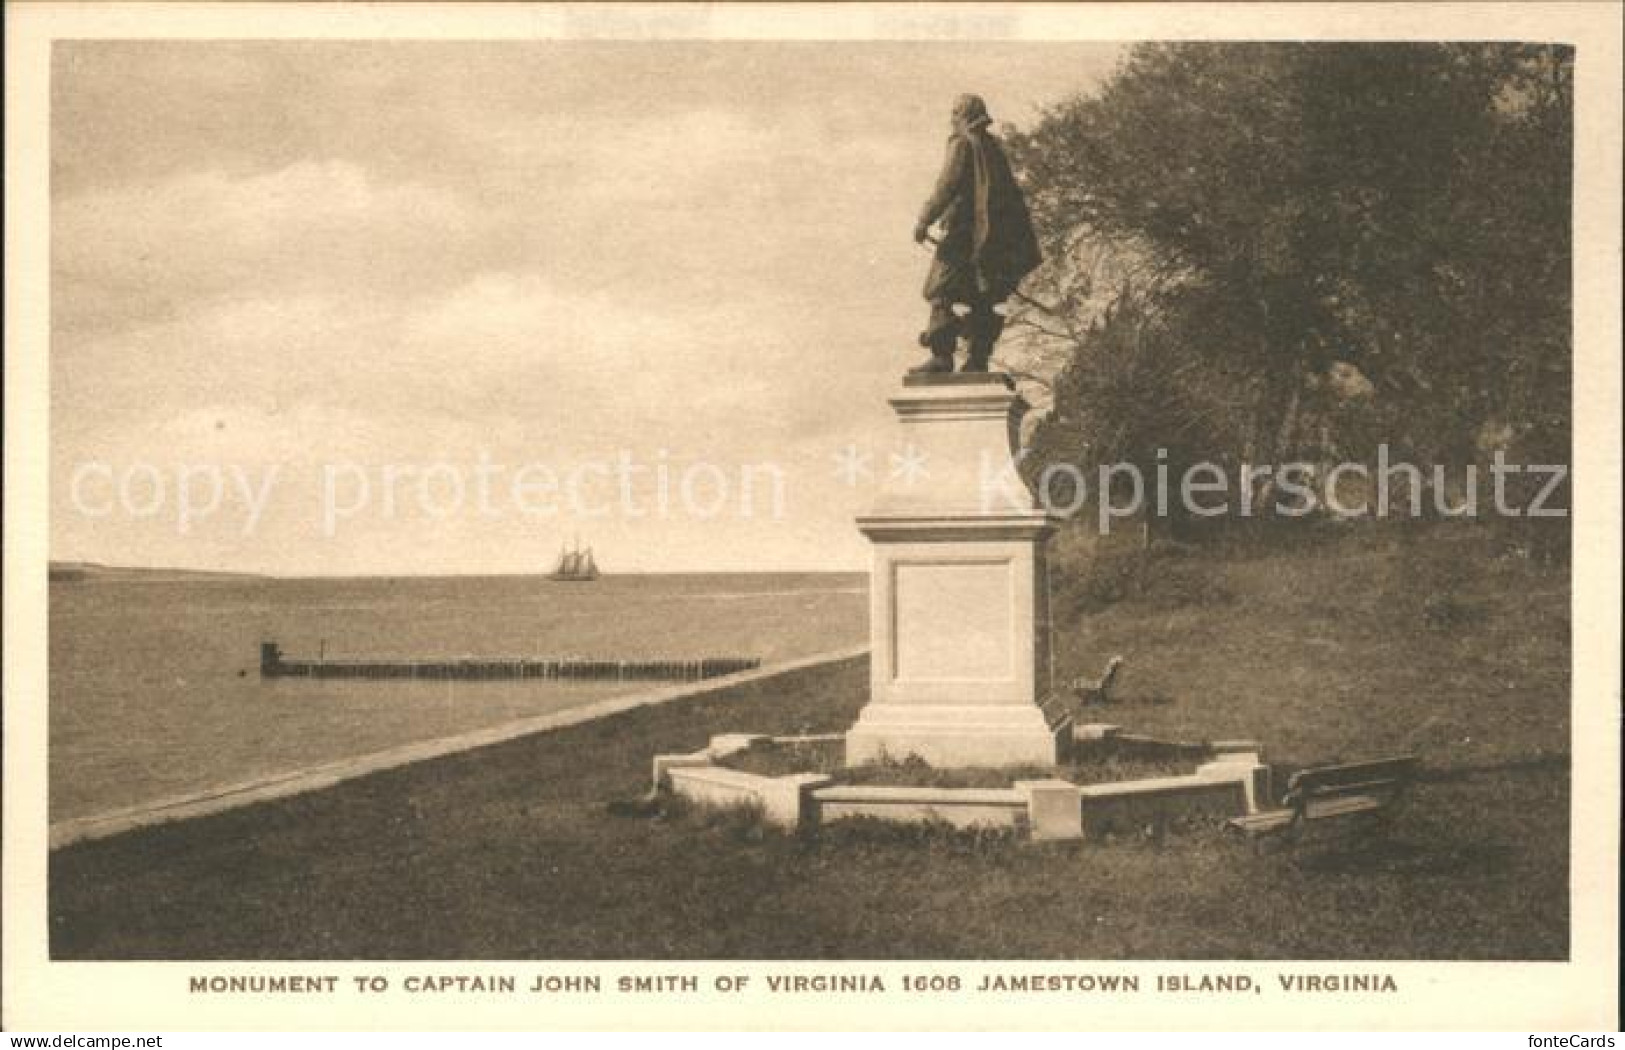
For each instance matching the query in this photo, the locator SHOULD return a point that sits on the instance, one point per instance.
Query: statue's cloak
(988, 244)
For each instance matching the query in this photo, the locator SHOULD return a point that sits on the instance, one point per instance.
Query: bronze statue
(987, 244)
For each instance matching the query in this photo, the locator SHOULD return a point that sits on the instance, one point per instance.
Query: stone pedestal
(958, 609)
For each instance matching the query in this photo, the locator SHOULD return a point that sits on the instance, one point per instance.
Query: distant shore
(80, 571)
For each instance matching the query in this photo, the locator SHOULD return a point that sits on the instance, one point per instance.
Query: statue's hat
(970, 112)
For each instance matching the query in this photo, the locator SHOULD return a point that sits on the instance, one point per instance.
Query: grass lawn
(1342, 651)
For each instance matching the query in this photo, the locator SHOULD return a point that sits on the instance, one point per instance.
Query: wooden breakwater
(274, 665)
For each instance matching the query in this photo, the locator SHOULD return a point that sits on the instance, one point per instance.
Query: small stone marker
(1054, 808)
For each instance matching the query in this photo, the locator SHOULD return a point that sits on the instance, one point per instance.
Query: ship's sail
(576, 564)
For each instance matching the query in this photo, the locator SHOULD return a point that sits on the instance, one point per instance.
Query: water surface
(155, 687)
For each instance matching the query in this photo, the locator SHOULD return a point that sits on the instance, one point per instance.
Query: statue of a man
(987, 244)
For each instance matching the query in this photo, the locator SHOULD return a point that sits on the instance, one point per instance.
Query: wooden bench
(1330, 792)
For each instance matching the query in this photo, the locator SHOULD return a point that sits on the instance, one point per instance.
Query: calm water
(155, 688)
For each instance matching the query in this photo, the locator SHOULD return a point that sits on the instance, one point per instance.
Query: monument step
(959, 379)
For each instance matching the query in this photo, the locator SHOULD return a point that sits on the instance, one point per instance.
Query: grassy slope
(508, 852)
(1425, 642)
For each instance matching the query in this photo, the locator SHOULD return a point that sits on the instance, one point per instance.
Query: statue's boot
(940, 338)
(942, 332)
(985, 328)
(940, 362)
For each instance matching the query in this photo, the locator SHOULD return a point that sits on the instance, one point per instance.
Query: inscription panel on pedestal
(953, 620)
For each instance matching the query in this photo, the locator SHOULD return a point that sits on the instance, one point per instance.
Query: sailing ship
(575, 565)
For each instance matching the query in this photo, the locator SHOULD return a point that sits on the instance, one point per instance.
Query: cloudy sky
(291, 268)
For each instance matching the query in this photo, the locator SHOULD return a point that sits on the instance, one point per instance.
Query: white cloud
(504, 358)
(666, 158)
(251, 433)
(160, 247)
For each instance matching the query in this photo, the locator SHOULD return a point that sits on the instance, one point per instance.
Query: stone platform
(1232, 781)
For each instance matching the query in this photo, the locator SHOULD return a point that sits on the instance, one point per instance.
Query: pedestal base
(959, 602)
(958, 735)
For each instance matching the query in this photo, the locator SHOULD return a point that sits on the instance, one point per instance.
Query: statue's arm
(949, 184)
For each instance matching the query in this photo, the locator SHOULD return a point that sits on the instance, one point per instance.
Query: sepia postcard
(890, 516)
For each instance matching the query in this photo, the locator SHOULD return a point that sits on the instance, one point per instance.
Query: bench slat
(1342, 806)
(1358, 787)
(1352, 772)
(1262, 823)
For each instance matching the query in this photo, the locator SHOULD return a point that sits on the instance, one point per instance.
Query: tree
(1227, 224)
